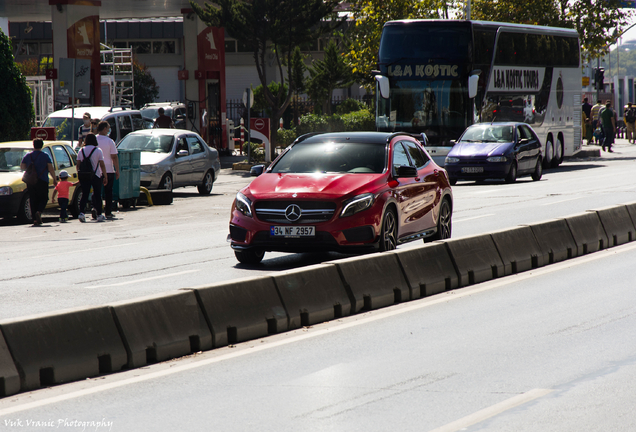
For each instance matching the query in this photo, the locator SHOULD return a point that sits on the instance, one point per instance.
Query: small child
(62, 188)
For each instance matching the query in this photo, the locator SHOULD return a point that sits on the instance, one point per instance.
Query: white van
(122, 121)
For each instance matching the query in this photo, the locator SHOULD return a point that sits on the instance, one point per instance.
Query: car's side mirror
(524, 141)
(181, 153)
(473, 81)
(257, 170)
(453, 142)
(406, 171)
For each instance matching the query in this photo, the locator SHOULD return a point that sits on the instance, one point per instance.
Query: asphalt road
(149, 250)
(546, 350)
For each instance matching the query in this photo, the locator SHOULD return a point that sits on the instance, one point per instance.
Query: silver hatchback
(172, 158)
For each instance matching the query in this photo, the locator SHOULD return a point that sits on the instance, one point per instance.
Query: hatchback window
(113, 129)
(147, 143)
(331, 157)
(138, 121)
(64, 127)
(400, 157)
(125, 125)
(61, 157)
(11, 158)
(417, 155)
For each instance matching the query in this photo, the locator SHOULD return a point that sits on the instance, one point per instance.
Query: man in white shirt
(94, 178)
(111, 160)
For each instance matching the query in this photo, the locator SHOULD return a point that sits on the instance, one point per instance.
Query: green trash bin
(126, 187)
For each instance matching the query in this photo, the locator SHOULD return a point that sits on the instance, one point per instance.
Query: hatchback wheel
(24, 211)
(249, 256)
(388, 239)
(444, 222)
(206, 185)
(538, 170)
(512, 174)
(166, 182)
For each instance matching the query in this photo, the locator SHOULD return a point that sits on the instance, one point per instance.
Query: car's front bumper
(10, 204)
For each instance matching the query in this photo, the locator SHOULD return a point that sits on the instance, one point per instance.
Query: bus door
(214, 115)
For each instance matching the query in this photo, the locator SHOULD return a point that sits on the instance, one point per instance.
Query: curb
(48, 349)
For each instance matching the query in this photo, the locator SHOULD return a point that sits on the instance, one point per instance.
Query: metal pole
(249, 143)
(467, 9)
(72, 126)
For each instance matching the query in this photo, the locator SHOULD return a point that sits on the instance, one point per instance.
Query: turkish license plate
(472, 170)
(292, 231)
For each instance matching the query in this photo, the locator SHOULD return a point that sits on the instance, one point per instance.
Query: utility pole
(467, 9)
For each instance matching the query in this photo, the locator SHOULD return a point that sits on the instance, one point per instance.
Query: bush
(350, 105)
(362, 120)
(285, 137)
(257, 152)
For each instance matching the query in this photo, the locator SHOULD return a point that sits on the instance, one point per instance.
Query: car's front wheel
(166, 182)
(206, 185)
(24, 211)
(512, 174)
(249, 256)
(388, 236)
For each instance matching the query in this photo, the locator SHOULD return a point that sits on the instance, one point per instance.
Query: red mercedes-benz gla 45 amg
(347, 192)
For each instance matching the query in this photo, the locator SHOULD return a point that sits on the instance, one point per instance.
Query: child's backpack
(85, 170)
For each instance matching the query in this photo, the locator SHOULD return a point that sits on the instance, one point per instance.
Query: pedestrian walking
(84, 129)
(608, 121)
(163, 121)
(39, 192)
(63, 188)
(629, 117)
(92, 178)
(111, 161)
(594, 115)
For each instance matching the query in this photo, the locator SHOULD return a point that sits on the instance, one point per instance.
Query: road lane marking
(494, 410)
(562, 201)
(143, 280)
(121, 379)
(472, 218)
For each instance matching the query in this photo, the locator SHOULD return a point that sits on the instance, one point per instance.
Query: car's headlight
(243, 204)
(149, 168)
(5, 190)
(357, 204)
(497, 159)
(451, 160)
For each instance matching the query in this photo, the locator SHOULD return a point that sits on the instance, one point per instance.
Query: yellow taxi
(14, 196)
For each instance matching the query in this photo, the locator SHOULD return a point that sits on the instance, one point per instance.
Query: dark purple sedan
(495, 151)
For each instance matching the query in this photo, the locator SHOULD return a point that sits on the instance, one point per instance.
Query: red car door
(428, 189)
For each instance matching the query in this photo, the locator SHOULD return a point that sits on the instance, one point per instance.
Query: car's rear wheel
(388, 236)
(538, 170)
(24, 211)
(512, 174)
(444, 222)
(250, 256)
(206, 185)
(557, 159)
(166, 182)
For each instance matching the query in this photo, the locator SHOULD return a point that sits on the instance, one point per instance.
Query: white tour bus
(438, 77)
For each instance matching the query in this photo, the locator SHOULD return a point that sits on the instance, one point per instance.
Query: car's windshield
(10, 158)
(63, 127)
(147, 143)
(488, 133)
(330, 157)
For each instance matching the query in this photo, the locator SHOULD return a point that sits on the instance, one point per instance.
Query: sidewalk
(621, 147)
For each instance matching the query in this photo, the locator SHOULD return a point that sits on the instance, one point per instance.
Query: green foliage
(598, 22)
(327, 75)
(257, 153)
(31, 67)
(298, 68)
(271, 27)
(285, 137)
(260, 101)
(16, 108)
(363, 120)
(350, 105)
(146, 88)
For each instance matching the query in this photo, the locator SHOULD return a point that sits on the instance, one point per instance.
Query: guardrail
(59, 347)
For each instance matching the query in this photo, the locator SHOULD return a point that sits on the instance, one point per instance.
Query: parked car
(348, 192)
(495, 151)
(122, 121)
(175, 110)
(172, 158)
(14, 196)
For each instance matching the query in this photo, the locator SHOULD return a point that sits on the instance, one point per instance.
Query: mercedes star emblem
(293, 212)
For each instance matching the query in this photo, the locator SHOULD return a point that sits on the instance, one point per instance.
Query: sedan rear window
(332, 157)
(488, 133)
(147, 143)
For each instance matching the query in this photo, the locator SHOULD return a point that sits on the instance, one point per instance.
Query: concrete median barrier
(242, 309)
(588, 232)
(64, 346)
(631, 209)
(617, 223)
(518, 249)
(476, 259)
(312, 295)
(555, 240)
(428, 269)
(9, 377)
(161, 327)
(374, 281)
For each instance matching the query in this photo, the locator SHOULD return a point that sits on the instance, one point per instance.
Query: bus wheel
(549, 151)
(557, 159)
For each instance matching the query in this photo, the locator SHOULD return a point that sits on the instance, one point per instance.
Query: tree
(16, 109)
(270, 26)
(369, 16)
(599, 23)
(146, 89)
(328, 74)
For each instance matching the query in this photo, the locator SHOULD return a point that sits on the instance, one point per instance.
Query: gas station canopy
(40, 10)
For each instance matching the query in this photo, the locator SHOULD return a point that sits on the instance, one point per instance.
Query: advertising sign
(74, 74)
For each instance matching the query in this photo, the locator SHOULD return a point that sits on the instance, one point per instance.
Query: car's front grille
(285, 212)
